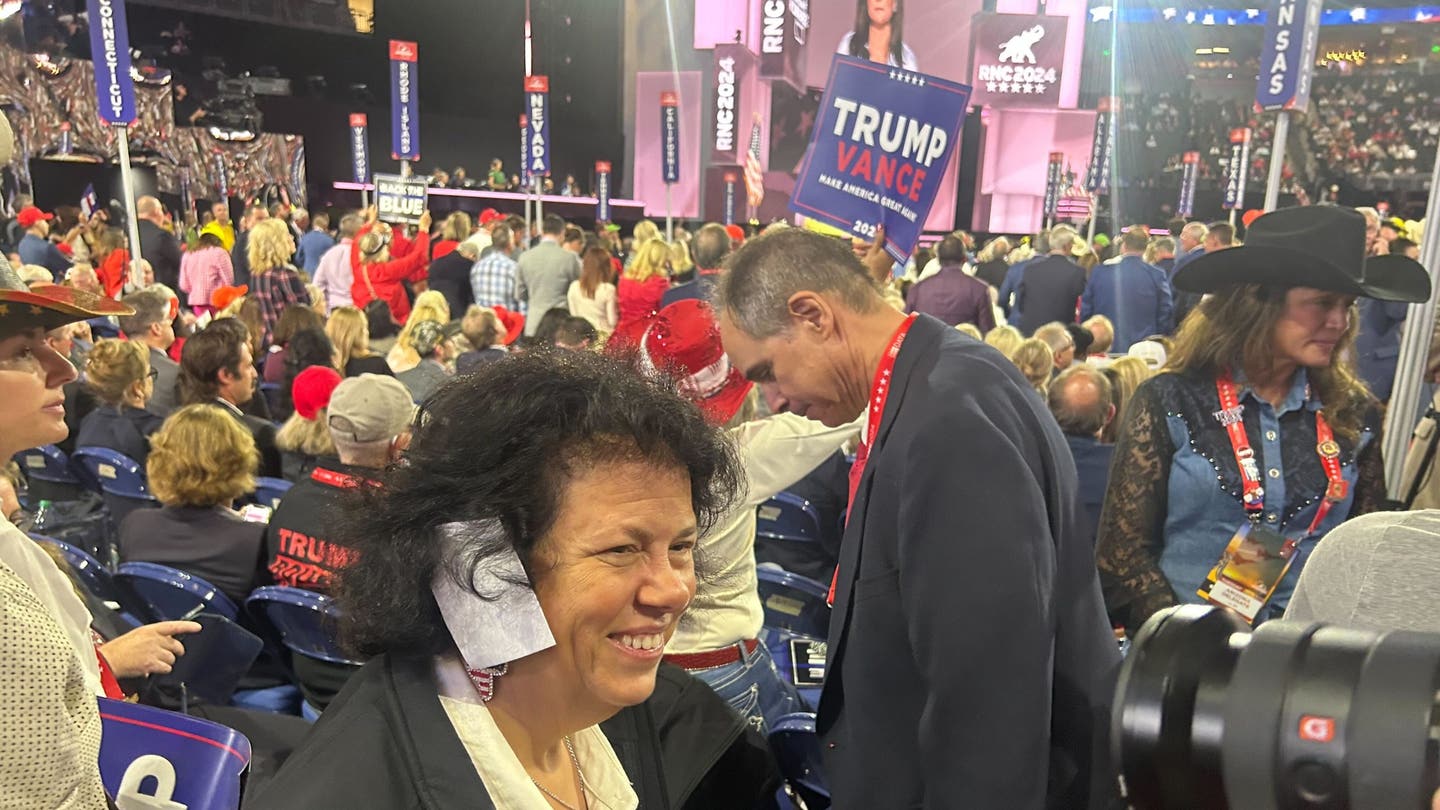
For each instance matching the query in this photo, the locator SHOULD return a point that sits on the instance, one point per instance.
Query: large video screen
(334, 16)
(926, 36)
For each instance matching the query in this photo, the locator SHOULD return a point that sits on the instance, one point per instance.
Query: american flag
(89, 202)
(754, 172)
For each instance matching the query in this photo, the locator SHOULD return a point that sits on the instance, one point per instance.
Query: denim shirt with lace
(1174, 497)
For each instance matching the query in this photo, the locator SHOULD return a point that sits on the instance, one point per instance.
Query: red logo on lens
(1317, 729)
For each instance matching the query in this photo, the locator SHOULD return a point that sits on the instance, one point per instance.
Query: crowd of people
(526, 460)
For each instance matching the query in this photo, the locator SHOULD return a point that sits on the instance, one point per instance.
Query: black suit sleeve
(975, 580)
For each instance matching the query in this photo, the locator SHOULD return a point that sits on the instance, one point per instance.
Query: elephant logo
(1019, 49)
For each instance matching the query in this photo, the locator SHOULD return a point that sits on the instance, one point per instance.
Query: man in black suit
(157, 245)
(1052, 286)
(216, 368)
(970, 664)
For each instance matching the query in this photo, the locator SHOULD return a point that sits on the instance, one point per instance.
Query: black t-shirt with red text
(303, 552)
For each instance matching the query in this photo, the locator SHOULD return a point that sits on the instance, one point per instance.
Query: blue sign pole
(602, 191)
(730, 180)
(404, 103)
(1287, 59)
(670, 151)
(115, 97)
(537, 101)
(525, 173)
(1053, 179)
(360, 153)
(1187, 185)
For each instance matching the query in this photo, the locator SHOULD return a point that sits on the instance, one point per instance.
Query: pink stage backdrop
(1017, 146)
(716, 22)
(646, 160)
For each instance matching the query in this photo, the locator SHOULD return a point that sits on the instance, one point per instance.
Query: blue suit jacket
(1135, 296)
(1377, 345)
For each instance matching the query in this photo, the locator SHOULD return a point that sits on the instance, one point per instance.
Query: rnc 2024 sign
(1019, 59)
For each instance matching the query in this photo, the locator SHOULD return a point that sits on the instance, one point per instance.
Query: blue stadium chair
(797, 750)
(93, 576)
(195, 763)
(269, 491)
(170, 593)
(303, 620)
(120, 480)
(50, 474)
(793, 603)
(787, 517)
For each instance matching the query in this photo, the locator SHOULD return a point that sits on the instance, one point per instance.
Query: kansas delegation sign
(878, 152)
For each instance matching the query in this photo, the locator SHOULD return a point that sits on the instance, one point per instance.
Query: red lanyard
(340, 480)
(1253, 495)
(880, 387)
(879, 394)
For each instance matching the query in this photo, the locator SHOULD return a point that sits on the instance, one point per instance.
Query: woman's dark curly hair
(500, 443)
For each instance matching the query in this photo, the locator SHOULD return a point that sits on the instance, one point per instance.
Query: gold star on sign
(35, 310)
(4, 309)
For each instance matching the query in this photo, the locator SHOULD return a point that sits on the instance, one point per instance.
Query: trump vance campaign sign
(879, 149)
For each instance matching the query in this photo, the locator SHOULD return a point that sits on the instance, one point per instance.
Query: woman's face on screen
(881, 11)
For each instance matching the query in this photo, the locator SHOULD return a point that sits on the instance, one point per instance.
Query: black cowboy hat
(1316, 246)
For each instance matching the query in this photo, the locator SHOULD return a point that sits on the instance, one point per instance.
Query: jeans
(754, 688)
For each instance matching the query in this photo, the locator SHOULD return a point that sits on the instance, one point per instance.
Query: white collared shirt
(506, 780)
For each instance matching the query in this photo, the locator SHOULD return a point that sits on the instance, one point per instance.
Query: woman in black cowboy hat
(1258, 428)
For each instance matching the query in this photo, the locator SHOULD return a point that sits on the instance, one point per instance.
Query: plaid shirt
(276, 289)
(492, 279)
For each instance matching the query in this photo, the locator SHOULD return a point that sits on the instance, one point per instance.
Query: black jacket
(159, 247)
(1049, 291)
(450, 276)
(387, 742)
(124, 429)
(970, 661)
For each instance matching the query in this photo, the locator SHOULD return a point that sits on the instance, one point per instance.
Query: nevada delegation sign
(882, 143)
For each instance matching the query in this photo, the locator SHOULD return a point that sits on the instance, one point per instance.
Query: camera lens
(1293, 715)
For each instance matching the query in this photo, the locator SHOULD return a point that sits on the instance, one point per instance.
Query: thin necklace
(580, 775)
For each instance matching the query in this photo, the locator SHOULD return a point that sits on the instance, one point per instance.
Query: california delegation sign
(1019, 60)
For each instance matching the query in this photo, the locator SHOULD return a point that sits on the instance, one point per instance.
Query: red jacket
(407, 263)
(114, 272)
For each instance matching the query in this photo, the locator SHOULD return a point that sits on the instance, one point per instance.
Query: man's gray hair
(1087, 416)
(150, 307)
(710, 245)
(1195, 232)
(761, 277)
(350, 225)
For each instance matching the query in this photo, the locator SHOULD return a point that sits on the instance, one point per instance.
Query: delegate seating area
(287, 624)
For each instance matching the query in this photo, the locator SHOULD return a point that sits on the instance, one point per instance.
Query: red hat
(624, 343)
(312, 389)
(489, 215)
(65, 249)
(225, 296)
(513, 322)
(29, 215)
(684, 342)
(737, 234)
